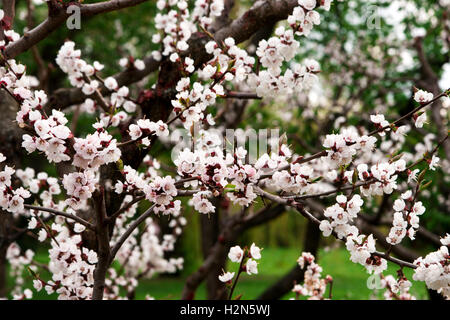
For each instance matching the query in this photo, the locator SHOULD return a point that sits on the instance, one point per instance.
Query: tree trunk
(10, 147)
(210, 233)
(103, 252)
(3, 270)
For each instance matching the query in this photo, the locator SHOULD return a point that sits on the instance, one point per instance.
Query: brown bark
(57, 15)
(210, 233)
(10, 142)
(10, 133)
(3, 270)
(103, 251)
(5, 220)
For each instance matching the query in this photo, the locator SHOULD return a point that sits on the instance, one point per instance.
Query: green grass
(349, 279)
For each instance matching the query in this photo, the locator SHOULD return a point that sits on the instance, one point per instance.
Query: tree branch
(57, 16)
(130, 229)
(60, 213)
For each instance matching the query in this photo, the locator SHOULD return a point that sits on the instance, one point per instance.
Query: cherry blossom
(100, 193)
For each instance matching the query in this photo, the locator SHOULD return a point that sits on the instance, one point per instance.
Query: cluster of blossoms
(382, 177)
(342, 147)
(299, 77)
(216, 171)
(145, 128)
(247, 260)
(276, 160)
(396, 288)
(78, 70)
(210, 166)
(71, 265)
(380, 123)
(406, 220)
(229, 62)
(10, 36)
(80, 186)
(274, 51)
(205, 10)
(422, 97)
(159, 190)
(95, 150)
(191, 103)
(243, 177)
(303, 18)
(11, 200)
(297, 180)
(341, 215)
(134, 181)
(314, 285)
(17, 261)
(98, 148)
(41, 184)
(201, 203)
(175, 26)
(434, 269)
(69, 60)
(51, 134)
(80, 73)
(360, 246)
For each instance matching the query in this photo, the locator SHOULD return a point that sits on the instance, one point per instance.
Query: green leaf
(33, 273)
(355, 176)
(397, 157)
(316, 179)
(421, 176)
(120, 164)
(425, 185)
